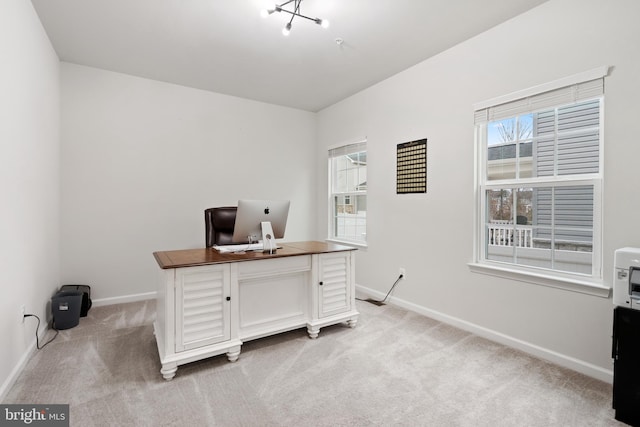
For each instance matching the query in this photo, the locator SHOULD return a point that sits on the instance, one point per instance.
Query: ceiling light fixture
(294, 12)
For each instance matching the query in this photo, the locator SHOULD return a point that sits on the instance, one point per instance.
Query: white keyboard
(241, 248)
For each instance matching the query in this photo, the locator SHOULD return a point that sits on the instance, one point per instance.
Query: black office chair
(219, 223)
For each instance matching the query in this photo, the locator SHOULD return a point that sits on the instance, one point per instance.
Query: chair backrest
(219, 223)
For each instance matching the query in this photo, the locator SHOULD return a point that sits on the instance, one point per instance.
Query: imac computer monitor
(252, 213)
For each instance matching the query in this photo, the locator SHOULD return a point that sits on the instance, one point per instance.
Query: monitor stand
(268, 239)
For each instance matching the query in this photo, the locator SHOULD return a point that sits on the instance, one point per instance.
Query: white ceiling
(226, 47)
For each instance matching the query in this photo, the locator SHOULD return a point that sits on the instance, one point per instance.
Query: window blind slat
(348, 149)
(481, 116)
(566, 95)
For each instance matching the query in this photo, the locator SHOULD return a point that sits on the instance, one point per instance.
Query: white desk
(210, 303)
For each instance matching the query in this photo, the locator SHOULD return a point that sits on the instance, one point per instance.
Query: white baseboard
(17, 370)
(563, 360)
(13, 376)
(123, 299)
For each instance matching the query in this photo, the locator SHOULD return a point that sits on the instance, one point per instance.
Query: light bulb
(271, 7)
(287, 29)
(324, 23)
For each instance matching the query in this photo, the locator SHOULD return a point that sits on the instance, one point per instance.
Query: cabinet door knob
(228, 298)
(321, 283)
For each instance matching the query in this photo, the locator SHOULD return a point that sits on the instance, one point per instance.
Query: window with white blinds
(540, 178)
(348, 193)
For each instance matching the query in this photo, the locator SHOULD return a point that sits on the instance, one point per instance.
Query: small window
(348, 193)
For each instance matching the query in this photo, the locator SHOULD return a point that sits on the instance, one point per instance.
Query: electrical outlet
(23, 310)
(403, 273)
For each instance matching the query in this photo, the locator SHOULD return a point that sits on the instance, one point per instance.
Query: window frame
(333, 152)
(585, 283)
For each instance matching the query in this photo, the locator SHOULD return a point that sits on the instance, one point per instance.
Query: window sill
(348, 243)
(570, 284)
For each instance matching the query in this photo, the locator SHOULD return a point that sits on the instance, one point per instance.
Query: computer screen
(251, 214)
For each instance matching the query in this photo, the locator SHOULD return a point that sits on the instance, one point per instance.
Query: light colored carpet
(396, 368)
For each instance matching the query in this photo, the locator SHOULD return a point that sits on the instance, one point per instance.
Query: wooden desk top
(206, 256)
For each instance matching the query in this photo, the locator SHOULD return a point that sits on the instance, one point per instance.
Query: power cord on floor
(383, 301)
(38, 328)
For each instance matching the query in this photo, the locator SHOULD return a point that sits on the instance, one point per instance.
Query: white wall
(431, 235)
(29, 180)
(142, 159)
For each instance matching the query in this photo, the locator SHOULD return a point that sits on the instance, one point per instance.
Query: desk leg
(352, 322)
(313, 331)
(168, 370)
(233, 353)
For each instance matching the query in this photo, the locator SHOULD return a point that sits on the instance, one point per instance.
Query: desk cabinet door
(335, 283)
(202, 308)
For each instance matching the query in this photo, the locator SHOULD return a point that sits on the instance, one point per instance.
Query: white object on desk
(243, 247)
